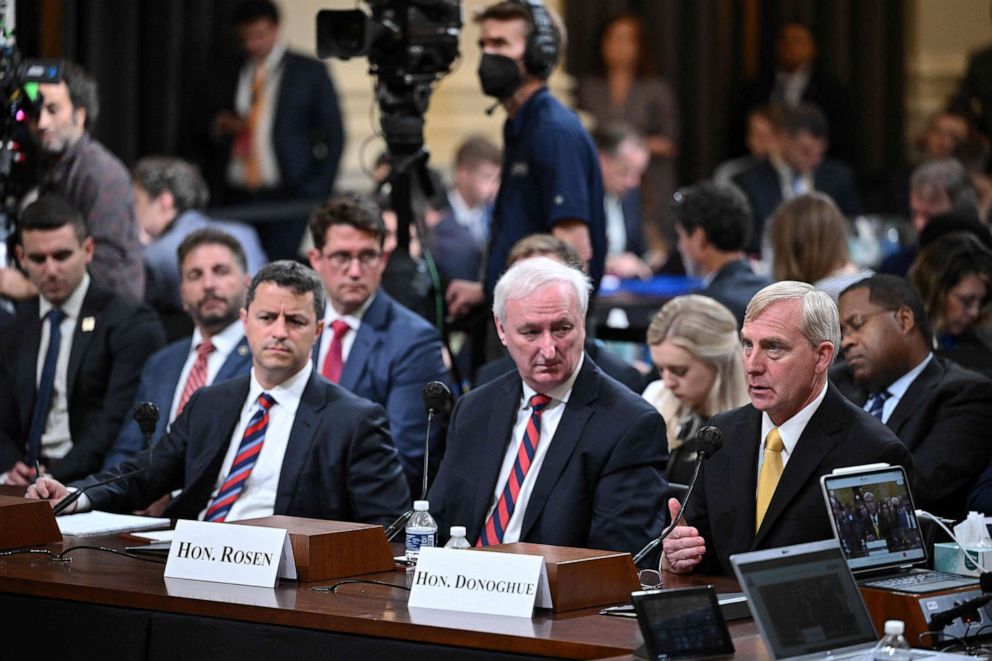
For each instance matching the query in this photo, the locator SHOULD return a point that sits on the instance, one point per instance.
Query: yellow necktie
(771, 471)
(253, 160)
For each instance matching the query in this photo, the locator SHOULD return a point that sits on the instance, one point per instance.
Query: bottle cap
(894, 627)
(421, 505)
(457, 531)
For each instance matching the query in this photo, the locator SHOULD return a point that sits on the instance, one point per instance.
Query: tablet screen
(682, 623)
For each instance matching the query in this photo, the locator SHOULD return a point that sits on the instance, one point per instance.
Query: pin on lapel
(88, 324)
(242, 350)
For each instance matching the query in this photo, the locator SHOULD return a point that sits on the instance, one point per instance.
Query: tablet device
(682, 623)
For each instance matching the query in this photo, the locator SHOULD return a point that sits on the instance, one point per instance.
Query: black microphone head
(985, 581)
(708, 441)
(146, 415)
(437, 397)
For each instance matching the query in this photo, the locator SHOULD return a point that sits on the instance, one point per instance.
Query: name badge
(229, 553)
(473, 582)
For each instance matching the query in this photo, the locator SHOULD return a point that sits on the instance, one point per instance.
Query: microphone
(438, 399)
(146, 415)
(940, 620)
(709, 440)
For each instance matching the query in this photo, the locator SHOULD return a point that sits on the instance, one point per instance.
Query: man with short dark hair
(942, 412)
(372, 345)
(212, 268)
(69, 362)
(278, 441)
(712, 222)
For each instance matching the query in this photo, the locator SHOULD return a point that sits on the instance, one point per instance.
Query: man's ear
(500, 331)
(906, 320)
(824, 356)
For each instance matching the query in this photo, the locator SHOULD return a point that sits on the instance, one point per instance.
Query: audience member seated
(70, 361)
(935, 188)
(695, 345)
(372, 345)
(623, 156)
(214, 279)
(953, 275)
(545, 245)
(760, 140)
(168, 196)
(325, 453)
(712, 223)
(939, 410)
(749, 498)
(555, 452)
(973, 154)
(798, 168)
(808, 237)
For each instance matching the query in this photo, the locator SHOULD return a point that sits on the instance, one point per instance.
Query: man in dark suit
(712, 222)
(69, 363)
(941, 411)
(212, 267)
(798, 168)
(372, 345)
(279, 441)
(555, 452)
(748, 498)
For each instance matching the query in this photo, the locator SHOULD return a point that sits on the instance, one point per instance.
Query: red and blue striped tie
(244, 461)
(496, 525)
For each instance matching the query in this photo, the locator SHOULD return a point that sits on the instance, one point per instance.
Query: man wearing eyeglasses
(372, 345)
(941, 411)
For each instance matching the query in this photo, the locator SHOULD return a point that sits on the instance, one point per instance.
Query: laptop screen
(874, 519)
(804, 599)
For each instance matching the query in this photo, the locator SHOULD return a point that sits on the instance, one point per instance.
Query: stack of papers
(102, 523)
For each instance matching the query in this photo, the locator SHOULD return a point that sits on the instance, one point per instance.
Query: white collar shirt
(224, 343)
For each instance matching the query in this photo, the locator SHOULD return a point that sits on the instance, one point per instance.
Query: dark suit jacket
(395, 354)
(339, 463)
(159, 382)
(102, 376)
(944, 419)
(764, 193)
(734, 285)
(631, 206)
(602, 484)
(722, 505)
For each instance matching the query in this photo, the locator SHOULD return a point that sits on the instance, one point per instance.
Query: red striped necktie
(197, 375)
(244, 461)
(333, 362)
(496, 525)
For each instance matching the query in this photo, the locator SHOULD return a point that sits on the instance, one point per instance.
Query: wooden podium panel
(25, 522)
(889, 605)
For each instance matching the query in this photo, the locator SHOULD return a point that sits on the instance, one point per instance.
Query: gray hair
(158, 174)
(528, 275)
(820, 320)
(949, 176)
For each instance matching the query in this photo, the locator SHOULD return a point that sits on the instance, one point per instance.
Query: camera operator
(551, 181)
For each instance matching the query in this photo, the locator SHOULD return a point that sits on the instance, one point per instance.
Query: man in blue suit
(214, 281)
(372, 345)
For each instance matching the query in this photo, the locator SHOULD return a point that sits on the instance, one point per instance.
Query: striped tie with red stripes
(496, 525)
(244, 461)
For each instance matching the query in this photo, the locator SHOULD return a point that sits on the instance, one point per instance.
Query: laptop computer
(874, 520)
(807, 605)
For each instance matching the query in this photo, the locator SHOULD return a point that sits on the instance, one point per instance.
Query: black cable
(61, 557)
(357, 581)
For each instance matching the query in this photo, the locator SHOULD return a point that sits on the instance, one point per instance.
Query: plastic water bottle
(893, 646)
(457, 538)
(421, 530)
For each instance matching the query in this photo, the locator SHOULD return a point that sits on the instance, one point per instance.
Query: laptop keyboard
(916, 579)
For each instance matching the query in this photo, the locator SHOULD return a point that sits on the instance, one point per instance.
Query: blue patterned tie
(877, 403)
(43, 398)
(244, 461)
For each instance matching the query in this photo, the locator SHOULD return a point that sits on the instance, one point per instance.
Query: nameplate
(467, 581)
(229, 553)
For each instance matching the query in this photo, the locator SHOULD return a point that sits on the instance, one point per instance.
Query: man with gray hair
(555, 452)
(762, 491)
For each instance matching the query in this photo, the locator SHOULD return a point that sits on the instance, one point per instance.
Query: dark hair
(721, 210)
(806, 117)
(352, 209)
(645, 67)
(291, 275)
(510, 10)
(942, 265)
(476, 150)
(954, 221)
(83, 91)
(158, 174)
(608, 136)
(892, 292)
(537, 245)
(250, 11)
(212, 237)
(51, 211)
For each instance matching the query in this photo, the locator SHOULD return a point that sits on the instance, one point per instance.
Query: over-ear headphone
(543, 43)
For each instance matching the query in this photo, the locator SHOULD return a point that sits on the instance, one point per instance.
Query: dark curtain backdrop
(708, 49)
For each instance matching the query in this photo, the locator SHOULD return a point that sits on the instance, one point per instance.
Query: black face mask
(499, 75)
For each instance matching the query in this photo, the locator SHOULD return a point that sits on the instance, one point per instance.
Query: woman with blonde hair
(695, 346)
(808, 236)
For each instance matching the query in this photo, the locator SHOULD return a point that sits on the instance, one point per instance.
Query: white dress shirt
(616, 228)
(790, 430)
(354, 322)
(897, 389)
(269, 166)
(224, 343)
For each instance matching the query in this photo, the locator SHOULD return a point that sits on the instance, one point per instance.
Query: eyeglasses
(342, 260)
(856, 322)
(970, 301)
(650, 579)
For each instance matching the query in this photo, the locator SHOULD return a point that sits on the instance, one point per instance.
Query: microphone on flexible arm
(708, 441)
(146, 415)
(438, 399)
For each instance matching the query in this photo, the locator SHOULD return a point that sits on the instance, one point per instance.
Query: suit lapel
(239, 356)
(27, 363)
(492, 447)
(742, 474)
(917, 392)
(301, 437)
(374, 323)
(83, 335)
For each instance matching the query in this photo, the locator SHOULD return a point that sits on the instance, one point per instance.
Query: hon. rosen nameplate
(466, 581)
(229, 553)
